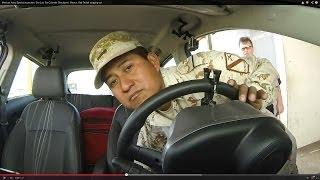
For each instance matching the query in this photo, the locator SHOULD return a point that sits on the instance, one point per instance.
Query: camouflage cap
(109, 47)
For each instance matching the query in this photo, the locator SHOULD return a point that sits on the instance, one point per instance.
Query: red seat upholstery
(96, 124)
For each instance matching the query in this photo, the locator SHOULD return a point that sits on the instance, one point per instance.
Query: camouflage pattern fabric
(109, 47)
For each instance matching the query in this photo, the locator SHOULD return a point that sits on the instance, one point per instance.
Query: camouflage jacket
(250, 71)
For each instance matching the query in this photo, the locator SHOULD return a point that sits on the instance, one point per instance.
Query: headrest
(48, 82)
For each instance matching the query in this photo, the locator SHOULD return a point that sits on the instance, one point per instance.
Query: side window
(82, 82)
(265, 44)
(170, 63)
(22, 82)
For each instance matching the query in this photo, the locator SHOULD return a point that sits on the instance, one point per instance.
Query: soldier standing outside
(247, 49)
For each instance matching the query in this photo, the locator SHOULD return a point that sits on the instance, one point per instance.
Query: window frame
(25, 95)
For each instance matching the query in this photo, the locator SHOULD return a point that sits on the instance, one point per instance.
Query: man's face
(133, 79)
(246, 48)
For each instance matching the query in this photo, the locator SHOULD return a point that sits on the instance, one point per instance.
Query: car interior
(52, 130)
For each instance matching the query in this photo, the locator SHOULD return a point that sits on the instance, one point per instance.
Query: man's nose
(126, 83)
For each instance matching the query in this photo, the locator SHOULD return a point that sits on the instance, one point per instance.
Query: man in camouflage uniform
(275, 104)
(246, 47)
(133, 75)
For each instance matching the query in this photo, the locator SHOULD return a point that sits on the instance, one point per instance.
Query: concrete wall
(302, 62)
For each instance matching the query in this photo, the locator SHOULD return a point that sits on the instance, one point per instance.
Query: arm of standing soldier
(264, 77)
(192, 68)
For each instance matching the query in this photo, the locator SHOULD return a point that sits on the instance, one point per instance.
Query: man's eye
(113, 83)
(128, 68)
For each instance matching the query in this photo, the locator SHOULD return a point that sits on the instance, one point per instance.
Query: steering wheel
(137, 119)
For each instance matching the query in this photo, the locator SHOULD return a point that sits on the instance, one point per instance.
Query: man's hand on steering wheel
(249, 94)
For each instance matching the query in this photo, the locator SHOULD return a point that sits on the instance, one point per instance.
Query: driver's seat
(47, 137)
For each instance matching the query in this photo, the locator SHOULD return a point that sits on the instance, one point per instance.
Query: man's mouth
(134, 95)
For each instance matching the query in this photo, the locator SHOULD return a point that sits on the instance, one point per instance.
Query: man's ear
(154, 60)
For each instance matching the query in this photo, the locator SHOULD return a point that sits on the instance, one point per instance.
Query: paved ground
(308, 159)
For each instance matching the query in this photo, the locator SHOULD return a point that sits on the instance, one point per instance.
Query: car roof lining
(76, 28)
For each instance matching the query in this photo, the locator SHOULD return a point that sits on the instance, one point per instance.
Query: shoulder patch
(236, 64)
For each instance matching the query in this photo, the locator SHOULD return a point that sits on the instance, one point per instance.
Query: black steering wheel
(137, 119)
